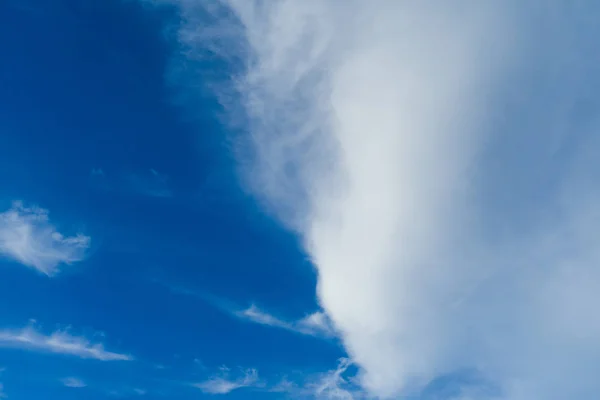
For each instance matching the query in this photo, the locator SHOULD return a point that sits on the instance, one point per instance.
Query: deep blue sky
(89, 131)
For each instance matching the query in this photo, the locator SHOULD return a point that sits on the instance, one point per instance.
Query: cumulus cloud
(73, 382)
(224, 384)
(58, 342)
(28, 237)
(438, 160)
(315, 324)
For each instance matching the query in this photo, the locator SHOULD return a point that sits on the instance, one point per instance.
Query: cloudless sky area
(295, 199)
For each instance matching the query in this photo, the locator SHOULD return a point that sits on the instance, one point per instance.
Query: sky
(285, 199)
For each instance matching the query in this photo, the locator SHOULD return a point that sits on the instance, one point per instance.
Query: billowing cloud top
(27, 236)
(446, 203)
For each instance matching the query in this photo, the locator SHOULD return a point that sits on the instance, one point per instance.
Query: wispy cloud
(337, 384)
(316, 324)
(58, 342)
(2, 394)
(148, 182)
(28, 237)
(333, 384)
(73, 382)
(127, 392)
(285, 386)
(438, 163)
(223, 384)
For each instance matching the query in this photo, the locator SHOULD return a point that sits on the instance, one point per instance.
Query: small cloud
(2, 393)
(224, 385)
(285, 386)
(127, 392)
(315, 324)
(150, 183)
(58, 342)
(28, 237)
(254, 314)
(333, 384)
(73, 382)
(199, 364)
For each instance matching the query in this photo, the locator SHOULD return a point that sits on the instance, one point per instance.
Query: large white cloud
(28, 236)
(432, 156)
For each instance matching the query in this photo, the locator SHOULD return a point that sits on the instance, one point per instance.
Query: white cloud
(284, 386)
(336, 384)
(333, 385)
(223, 384)
(315, 324)
(73, 382)
(59, 342)
(438, 161)
(27, 236)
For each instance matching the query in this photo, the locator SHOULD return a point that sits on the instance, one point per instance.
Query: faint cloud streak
(58, 342)
(73, 382)
(224, 385)
(315, 324)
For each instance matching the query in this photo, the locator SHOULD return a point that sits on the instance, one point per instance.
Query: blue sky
(91, 136)
(299, 199)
